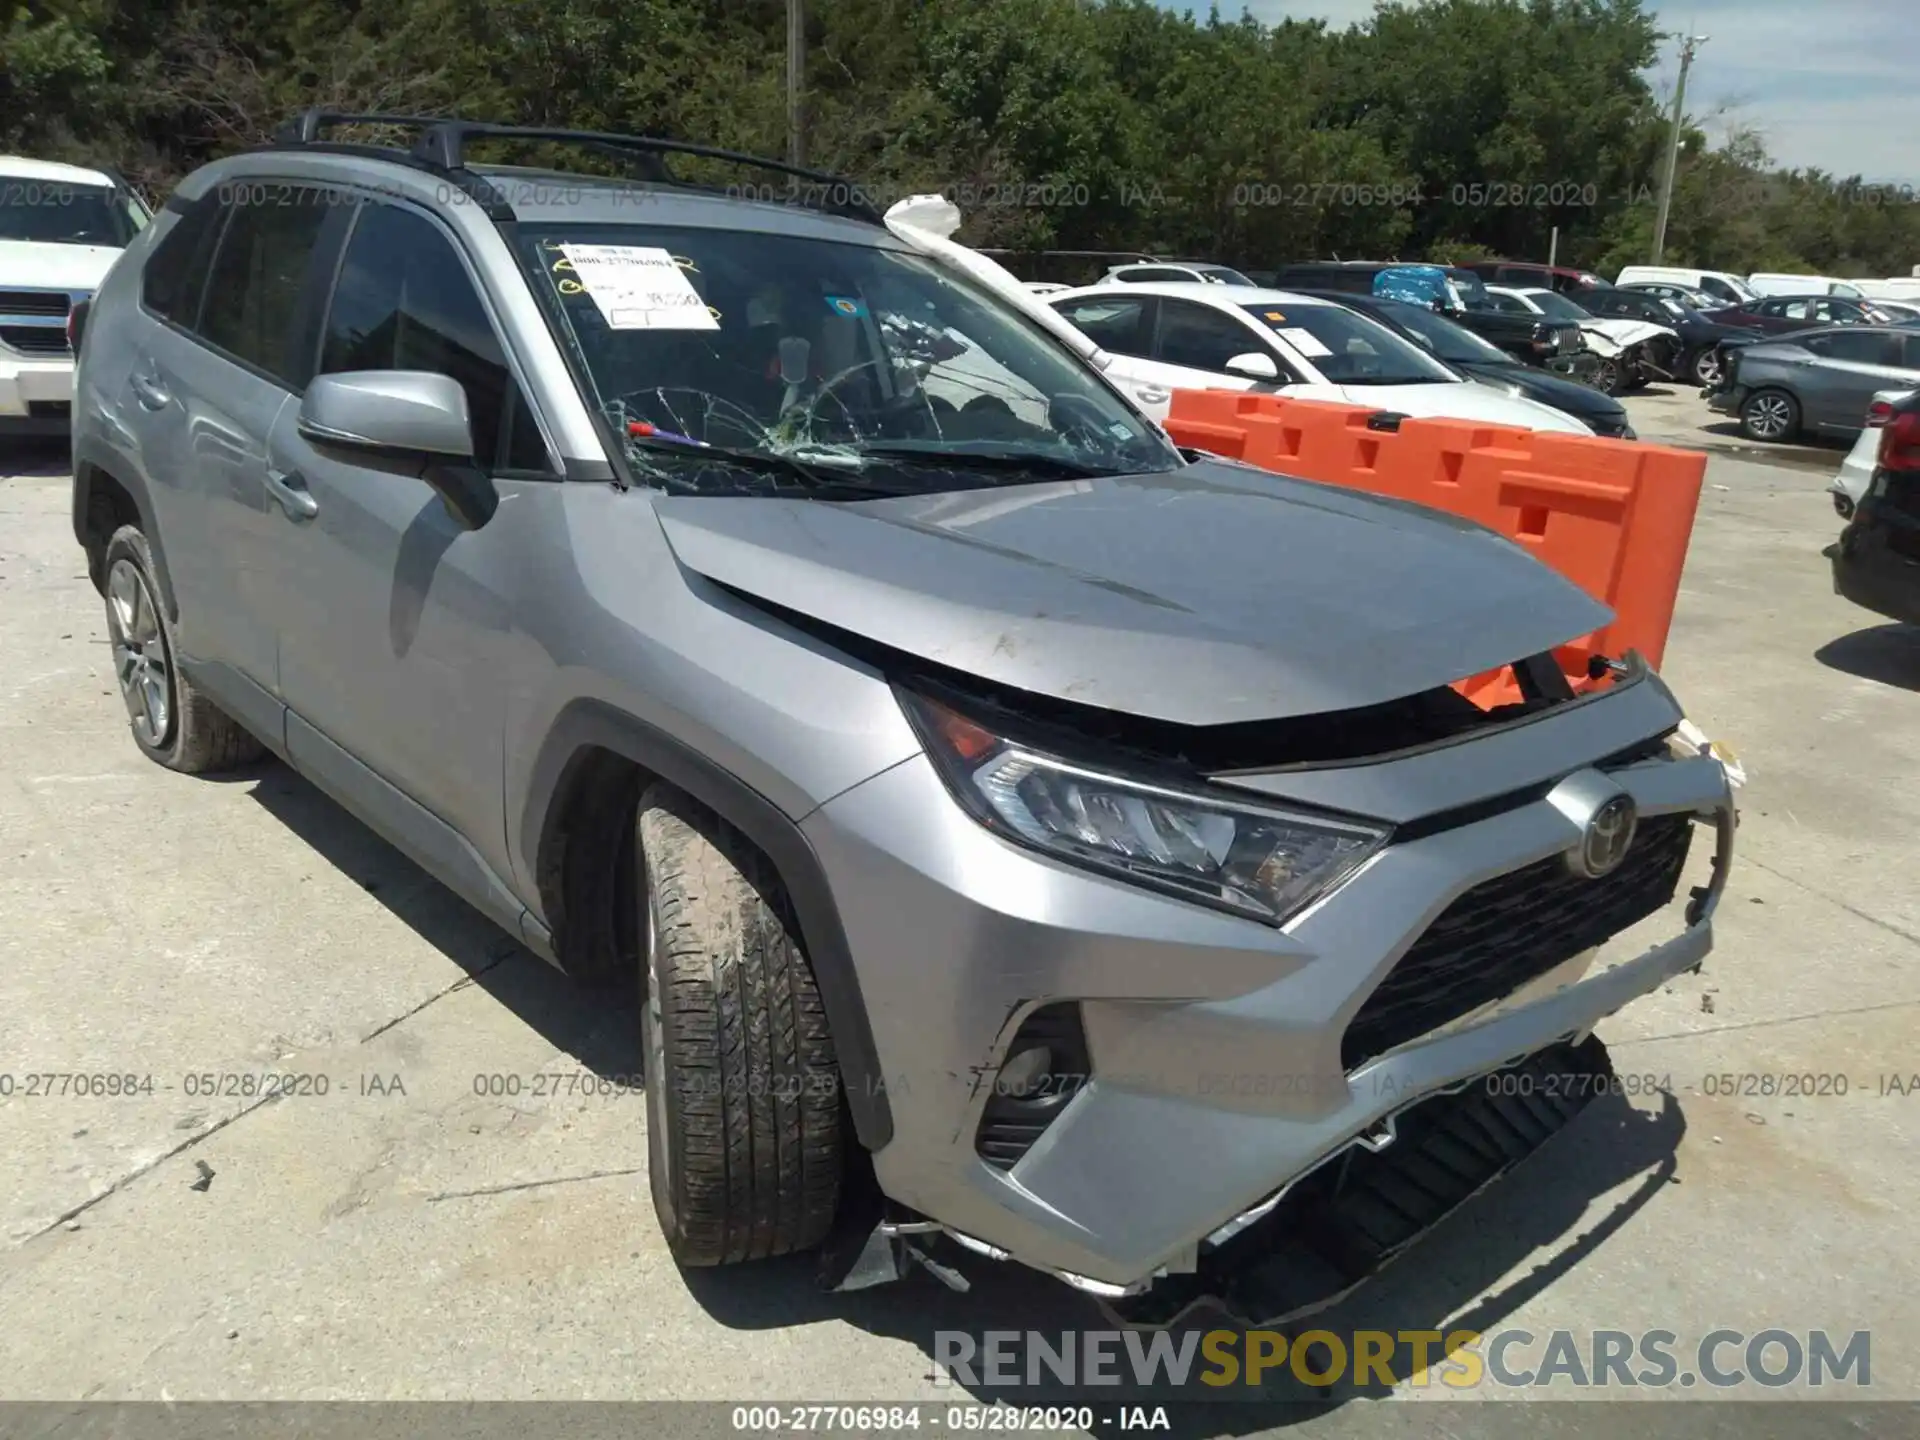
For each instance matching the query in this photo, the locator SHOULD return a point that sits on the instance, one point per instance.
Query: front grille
(34, 302)
(35, 339)
(1013, 1122)
(1513, 929)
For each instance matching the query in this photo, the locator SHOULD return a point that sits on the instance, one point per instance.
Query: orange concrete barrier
(1613, 516)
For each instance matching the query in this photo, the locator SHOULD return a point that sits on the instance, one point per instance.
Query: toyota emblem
(1608, 837)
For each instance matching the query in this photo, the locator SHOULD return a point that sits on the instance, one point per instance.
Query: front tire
(172, 723)
(1609, 377)
(744, 1128)
(1770, 416)
(1706, 368)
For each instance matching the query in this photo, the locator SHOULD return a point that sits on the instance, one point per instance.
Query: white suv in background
(61, 229)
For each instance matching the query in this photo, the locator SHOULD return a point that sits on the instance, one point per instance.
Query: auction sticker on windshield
(1305, 341)
(637, 287)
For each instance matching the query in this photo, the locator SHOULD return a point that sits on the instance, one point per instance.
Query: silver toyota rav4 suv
(1035, 842)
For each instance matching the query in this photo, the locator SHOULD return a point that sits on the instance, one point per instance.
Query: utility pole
(796, 82)
(1673, 145)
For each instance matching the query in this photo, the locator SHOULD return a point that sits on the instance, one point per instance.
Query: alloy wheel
(141, 663)
(1707, 369)
(1769, 417)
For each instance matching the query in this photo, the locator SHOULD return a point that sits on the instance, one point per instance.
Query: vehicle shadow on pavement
(598, 1027)
(1473, 1272)
(35, 457)
(1889, 654)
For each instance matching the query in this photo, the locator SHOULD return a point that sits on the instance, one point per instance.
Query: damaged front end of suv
(1217, 945)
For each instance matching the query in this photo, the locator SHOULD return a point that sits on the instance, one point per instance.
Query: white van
(1899, 287)
(1720, 284)
(1765, 284)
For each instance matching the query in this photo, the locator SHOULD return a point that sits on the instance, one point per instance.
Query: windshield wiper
(1035, 462)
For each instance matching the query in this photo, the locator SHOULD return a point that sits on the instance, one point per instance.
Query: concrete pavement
(444, 1223)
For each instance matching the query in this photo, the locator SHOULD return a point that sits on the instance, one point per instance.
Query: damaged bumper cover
(1226, 1060)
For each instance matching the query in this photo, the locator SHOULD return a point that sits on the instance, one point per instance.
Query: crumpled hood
(1625, 333)
(31, 264)
(1213, 594)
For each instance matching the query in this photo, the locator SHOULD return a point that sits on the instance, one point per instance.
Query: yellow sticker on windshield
(1277, 317)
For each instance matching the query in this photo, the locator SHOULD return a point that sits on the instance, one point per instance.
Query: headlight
(1258, 861)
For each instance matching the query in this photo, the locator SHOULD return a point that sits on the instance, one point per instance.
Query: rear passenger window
(404, 301)
(176, 272)
(1114, 323)
(253, 290)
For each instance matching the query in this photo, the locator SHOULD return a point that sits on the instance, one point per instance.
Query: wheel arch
(576, 833)
(103, 501)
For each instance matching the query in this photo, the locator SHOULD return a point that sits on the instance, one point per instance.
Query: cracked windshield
(751, 363)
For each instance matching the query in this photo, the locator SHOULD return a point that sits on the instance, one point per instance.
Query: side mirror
(414, 420)
(1253, 366)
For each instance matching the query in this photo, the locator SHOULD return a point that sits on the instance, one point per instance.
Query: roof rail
(443, 146)
(307, 127)
(442, 141)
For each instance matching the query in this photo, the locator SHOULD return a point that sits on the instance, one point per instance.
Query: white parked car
(61, 229)
(1724, 285)
(1174, 272)
(1169, 336)
(1631, 351)
(1765, 285)
(1849, 487)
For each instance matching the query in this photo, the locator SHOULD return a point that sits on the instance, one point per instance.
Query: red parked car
(1778, 314)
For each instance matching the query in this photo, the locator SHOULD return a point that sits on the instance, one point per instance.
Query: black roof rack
(442, 141)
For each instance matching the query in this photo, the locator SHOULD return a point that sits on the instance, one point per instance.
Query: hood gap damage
(1441, 715)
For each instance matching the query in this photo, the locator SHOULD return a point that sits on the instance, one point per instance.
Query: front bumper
(35, 392)
(1726, 402)
(1218, 1074)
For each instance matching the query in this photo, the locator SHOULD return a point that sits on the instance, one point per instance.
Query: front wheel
(744, 1117)
(1609, 376)
(1770, 415)
(1706, 368)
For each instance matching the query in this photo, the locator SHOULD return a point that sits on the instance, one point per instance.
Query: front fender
(587, 725)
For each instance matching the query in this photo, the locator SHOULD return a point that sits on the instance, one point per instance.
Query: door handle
(151, 394)
(291, 491)
(1152, 394)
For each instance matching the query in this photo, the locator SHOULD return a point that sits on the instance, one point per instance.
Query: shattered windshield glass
(741, 362)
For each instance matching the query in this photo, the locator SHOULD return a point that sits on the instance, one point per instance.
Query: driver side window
(404, 301)
(1201, 338)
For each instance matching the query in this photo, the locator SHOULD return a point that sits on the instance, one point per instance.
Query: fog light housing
(1026, 1073)
(1047, 1065)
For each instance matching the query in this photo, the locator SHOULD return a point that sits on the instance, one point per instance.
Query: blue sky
(1829, 83)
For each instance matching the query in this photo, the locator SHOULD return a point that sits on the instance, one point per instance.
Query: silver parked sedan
(1818, 381)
